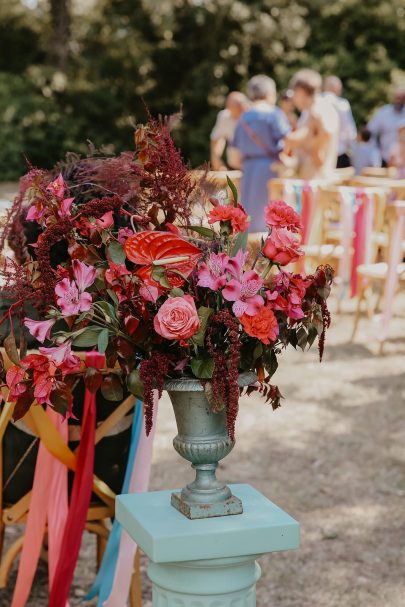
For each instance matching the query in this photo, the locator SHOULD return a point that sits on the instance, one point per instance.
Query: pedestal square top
(165, 535)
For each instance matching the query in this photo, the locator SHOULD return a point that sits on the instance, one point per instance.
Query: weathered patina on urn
(203, 440)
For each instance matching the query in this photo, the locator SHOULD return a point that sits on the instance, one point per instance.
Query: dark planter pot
(111, 452)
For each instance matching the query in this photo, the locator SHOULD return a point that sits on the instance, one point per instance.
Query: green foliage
(168, 54)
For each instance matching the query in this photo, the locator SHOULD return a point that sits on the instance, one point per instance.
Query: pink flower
(282, 247)
(69, 300)
(65, 207)
(289, 291)
(177, 318)
(106, 221)
(243, 291)
(35, 213)
(83, 274)
(123, 234)
(57, 187)
(212, 274)
(62, 357)
(40, 329)
(278, 214)
(149, 292)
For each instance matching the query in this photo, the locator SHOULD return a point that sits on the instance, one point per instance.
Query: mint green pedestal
(206, 562)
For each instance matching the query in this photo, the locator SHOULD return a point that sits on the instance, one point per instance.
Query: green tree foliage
(122, 56)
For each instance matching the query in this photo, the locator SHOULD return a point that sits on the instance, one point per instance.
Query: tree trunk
(60, 22)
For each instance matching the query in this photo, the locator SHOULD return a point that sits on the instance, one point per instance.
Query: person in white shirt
(315, 142)
(333, 88)
(224, 129)
(385, 123)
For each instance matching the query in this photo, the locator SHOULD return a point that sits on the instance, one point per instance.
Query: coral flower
(263, 325)
(236, 215)
(278, 214)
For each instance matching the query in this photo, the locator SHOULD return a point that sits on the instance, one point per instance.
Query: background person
(286, 104)
(365, 153)
(397, 156)
(258, 142)
(315, 142)
(385, 123)
(223, 131)
(333, 88)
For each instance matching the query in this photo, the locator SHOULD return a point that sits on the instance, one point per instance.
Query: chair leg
(360, 298)
(8, 560)
(135, 591)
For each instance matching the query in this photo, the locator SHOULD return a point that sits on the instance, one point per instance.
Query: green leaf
(88, 338)
(116, 252)
(207, 232)
(113, 296)
(11, 349)
(258, 351)
(102, 341)
(176, 292)
(135, 384)
(240, 242)
(111, 388)
(203, 367)
(270, 362)
(159, 274)
(108, 310)
(302, 338)
(312, 335)
(203, 314)
(233, 189)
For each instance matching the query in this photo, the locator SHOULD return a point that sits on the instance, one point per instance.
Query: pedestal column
(206, 562)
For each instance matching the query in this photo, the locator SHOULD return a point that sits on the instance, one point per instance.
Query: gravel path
(333, 457)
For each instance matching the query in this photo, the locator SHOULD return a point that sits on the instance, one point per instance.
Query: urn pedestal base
(233, 505)
(209, 562)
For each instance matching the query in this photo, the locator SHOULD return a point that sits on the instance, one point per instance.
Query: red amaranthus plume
(225, 377)
(153, 372)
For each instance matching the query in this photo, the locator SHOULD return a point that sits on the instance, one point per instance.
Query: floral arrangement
(109, 257)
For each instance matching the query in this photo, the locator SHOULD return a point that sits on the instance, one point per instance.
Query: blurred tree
(87, 70)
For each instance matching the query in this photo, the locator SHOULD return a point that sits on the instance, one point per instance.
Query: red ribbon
(80, 498)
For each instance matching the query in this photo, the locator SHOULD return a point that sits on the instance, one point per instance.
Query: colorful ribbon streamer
(80, 497)
(105, 577)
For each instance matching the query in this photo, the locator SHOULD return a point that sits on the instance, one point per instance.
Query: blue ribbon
(104, 581)
(298, 197)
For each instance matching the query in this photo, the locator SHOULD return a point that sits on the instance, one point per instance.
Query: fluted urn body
(203, 440)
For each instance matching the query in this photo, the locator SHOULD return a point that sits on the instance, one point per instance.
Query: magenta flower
(106, 221)
(35, 213)
(62, 356)
(70, 300)
(40, 329)
(243, 291)
(65, 207)
(124, 234)
(84, 274)
(212, 274)
(57, 187)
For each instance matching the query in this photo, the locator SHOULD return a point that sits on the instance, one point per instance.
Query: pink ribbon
(49, 500)
(127, 550)
(394, 258)
(362, 235)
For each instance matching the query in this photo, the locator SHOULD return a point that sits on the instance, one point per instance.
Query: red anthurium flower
(149, 249)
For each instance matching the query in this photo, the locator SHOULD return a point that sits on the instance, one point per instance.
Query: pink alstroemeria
(40, 329)
(106, 221)
(70, 300)
(124, 234)
(62, 357)
(83, 274)
(244, 294)
(65, 207)
(212, 274)
(57, 187)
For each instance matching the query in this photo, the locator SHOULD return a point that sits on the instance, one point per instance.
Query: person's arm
(234, 158)
(217, 149)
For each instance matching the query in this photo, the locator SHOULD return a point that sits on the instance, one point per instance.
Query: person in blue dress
(258, 141)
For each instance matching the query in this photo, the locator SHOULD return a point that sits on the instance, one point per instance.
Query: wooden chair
(99, 514)
(379, 274)
(395, 186)
(379, 172)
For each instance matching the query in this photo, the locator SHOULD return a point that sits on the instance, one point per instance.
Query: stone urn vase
(203, 440)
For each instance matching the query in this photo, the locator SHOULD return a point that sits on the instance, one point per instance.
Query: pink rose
(177, 318)
(278, 214)
(282, 247)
